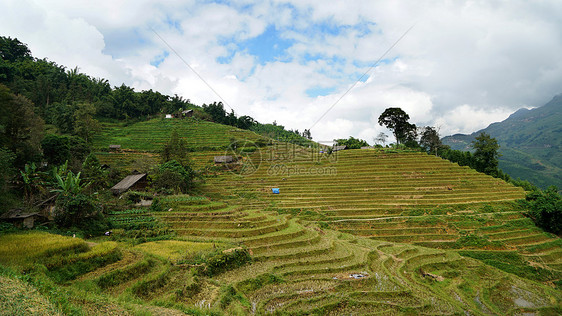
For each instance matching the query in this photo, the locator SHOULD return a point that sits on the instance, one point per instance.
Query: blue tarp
(275, 190)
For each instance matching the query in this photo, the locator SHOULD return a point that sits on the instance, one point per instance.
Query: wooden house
(21, 219)
(187, 113)
(134, 182)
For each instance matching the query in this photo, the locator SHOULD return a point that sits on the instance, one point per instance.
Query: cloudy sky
(457, 65)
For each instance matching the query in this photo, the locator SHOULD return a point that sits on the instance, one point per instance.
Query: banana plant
(67, 183)
(31, 180)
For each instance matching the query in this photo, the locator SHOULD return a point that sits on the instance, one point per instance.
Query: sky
(331, 67)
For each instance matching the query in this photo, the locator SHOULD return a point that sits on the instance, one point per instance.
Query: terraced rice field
(354, 232)
(142, 142)
(150, 136)
(298, 267)
(409, 198)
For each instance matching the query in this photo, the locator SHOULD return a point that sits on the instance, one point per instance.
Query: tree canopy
(486, 154)
(396, 120)
(351, 142)
(430, 140)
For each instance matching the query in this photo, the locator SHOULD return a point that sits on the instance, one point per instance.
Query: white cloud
(464, 65)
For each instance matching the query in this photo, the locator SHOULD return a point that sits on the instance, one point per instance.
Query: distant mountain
(531, 143)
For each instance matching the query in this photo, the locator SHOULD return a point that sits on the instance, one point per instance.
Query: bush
(225, 261)
(545, 208)
(173, 176)
(80, 211)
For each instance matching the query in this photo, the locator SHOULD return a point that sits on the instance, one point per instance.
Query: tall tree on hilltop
(430, 140)
(396, 120)
(12, 50)
(381, 138)
(486, 154)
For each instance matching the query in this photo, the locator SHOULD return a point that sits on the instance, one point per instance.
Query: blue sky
(463, 65)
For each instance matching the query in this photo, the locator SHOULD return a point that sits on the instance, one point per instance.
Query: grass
(20, 298)
(26, 248)
(173, 250)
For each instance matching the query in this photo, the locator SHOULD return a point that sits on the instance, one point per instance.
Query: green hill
(143, 141)
(531, 143)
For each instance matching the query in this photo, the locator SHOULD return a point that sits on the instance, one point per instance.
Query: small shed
(134, 181)
(338, 148)
(168, 116)
(224, 159)
(21, 219)
(187, 113)
(115, 147)
(367, 147)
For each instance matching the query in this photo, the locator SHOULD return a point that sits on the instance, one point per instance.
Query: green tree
(351, 142)
(245, 122)
(60, 148)
(32, 183)
(85, 125)
(486, 154)
(175, 149)
(8, 171)
(74, 208)
(21, 130)
(125, 102)
(430, 140)
(545, 208)
(93, 172)
(56, 149)
(396, 120)
(173, 176)
(217, 112)
(12, 50)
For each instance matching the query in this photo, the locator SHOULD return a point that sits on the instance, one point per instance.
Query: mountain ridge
(530, 143)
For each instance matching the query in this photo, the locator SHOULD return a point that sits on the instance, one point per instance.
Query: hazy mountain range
(531, 143)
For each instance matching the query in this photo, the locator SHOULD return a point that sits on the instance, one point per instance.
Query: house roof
(336, 148)
(17, 213)
(223, 159)
(114, 146)
(128, 182)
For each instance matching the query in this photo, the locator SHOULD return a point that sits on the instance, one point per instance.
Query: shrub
(80, 211)
(225, 261)
(545, 208)
(173, 176)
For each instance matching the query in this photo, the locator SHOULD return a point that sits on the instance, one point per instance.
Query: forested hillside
(530, 143)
